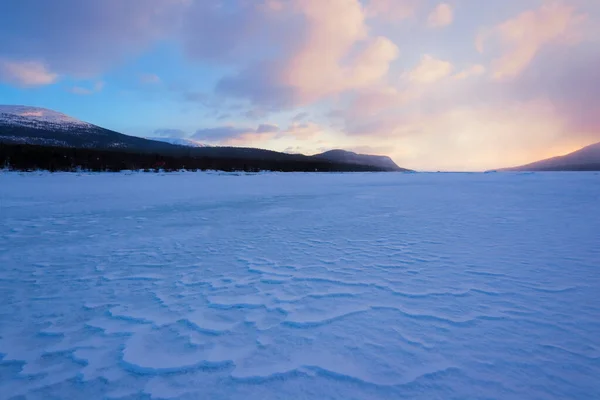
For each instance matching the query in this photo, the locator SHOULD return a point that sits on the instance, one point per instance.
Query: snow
(286, 286)
(39, 118)
(179, 141)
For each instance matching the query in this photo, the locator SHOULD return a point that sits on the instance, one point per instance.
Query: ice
(270, 286)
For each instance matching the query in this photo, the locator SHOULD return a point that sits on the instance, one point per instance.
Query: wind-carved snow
(40, 118)
(274, 286)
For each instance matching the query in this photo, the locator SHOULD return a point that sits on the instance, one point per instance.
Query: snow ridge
(40, 118)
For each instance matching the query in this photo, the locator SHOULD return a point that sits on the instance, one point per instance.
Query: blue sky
(455, 85)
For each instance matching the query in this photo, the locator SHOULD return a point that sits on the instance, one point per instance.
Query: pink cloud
(394, 10)
(474, 70)
(522, 37)
(26, 73)
(333, 29)
(330, 53)
(430, 70)
(441, 16)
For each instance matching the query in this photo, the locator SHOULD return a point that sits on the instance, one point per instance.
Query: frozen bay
(283, 286)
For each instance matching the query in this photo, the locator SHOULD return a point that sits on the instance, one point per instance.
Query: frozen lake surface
(287, 286)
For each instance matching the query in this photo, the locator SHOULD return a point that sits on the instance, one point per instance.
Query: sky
(463, 85)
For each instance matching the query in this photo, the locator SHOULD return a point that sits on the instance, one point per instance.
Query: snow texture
(288, 286)
(40, 118)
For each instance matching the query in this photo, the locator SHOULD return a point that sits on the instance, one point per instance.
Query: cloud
(255, 113)
(83, 91)
(242, 136)
(300, 116)
(392, 10)
(26, 73)
(474, 70)
(234, 136)
(570, 84)
(251, 139)
(521, 38)
(430, 70)
(316, 49)
(84, 37)
(325, 52)
(212, 31)
(267, 128)
(170, 133)
(441, 16)
(220, 133)
(374, 101)
(303, 131)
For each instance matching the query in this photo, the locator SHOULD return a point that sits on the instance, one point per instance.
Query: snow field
(270, 286)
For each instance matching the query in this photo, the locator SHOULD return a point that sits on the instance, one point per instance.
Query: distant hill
(178, 141)
(360, 159)
(586, 159)
(33, 126)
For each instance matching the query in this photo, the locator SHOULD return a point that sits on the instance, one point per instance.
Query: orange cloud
(523, 36)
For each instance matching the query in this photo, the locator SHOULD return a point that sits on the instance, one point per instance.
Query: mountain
(40, 126)
(586, 159)
(35, 126)
(350, 157)
(178, 141)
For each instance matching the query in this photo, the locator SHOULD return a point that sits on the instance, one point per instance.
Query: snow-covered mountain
(40, 118)
(41, 126)
(586, 159)
(179, 141)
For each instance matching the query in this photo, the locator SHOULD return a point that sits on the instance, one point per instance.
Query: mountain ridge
(585, 159)
(351, 157)
(24, 125)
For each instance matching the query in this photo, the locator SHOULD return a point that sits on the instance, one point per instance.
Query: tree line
(26, 157)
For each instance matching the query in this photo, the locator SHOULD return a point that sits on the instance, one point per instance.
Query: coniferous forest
(25, 157)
